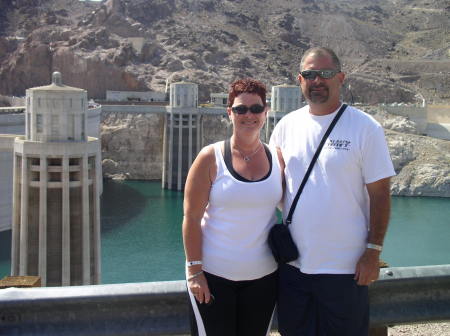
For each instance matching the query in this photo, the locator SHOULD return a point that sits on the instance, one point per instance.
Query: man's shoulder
(360, 116)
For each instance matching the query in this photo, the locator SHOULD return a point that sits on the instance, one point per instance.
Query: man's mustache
(318, 86)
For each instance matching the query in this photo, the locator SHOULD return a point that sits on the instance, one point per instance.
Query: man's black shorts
(321, 304)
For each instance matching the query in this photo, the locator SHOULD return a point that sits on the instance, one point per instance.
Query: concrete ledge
(402, 295)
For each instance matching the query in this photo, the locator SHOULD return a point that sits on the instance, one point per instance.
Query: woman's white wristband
(192, 263)
(375, 246)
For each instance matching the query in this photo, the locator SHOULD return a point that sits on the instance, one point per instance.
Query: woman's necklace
(248, 157)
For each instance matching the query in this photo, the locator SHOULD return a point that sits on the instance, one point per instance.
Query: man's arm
(368, 268)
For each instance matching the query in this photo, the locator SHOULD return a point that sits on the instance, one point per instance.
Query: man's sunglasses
(312, 74)
(242, 109)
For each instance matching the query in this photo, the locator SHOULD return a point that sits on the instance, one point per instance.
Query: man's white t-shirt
(331, 221)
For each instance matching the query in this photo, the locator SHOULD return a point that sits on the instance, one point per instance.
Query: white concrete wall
(438, 121)
(416, 113)
(133, 109)
(9, 124)
(6, 177)
(431, 120)
(93, 122)
(147, 96)
(439, 114)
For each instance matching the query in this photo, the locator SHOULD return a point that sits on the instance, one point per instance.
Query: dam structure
(12, 124)
(57, 182)
(157, 135)
(182, 134)
(284, 99)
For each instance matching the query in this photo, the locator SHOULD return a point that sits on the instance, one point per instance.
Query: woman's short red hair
(246, 85)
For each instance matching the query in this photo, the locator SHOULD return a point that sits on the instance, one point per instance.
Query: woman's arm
(196, 195)
(283, 181)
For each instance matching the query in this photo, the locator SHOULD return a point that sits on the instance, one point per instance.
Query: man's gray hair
(321, 51)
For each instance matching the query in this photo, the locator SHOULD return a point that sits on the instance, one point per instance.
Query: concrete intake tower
(56, 190)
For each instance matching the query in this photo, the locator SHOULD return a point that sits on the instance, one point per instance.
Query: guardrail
(402, 295)
(410, 295)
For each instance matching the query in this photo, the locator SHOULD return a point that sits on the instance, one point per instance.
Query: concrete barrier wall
(418, 114)
(133, 109)
(438, 114)
(438, 121)
(402, 295)
(6, 178)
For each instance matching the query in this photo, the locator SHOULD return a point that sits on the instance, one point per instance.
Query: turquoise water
(141, 233)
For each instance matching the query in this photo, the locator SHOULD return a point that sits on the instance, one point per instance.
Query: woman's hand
(198, 286)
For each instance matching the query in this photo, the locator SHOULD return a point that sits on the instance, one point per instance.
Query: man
(342, 214)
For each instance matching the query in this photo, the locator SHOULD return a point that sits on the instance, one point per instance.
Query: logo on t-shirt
(338, 144)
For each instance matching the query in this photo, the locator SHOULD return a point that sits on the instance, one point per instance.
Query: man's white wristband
(375, 246)
(192, 263)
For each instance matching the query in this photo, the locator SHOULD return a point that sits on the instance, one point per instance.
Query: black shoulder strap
(227, 151)
(313, 161)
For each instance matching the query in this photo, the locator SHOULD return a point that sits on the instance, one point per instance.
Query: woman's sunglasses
(312, 74)
(242, 109)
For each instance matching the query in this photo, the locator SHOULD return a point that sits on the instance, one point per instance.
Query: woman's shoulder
(207, 153)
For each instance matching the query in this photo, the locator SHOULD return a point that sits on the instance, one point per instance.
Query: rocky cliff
(391, 50)
(132, 145)
(422, 165)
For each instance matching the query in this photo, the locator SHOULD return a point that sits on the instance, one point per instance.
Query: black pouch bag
(280, 240)
(281, 243)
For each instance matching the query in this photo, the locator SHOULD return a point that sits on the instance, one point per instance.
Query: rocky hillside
(392, 50)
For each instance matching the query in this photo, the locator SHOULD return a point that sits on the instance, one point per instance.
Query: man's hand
(368, 267)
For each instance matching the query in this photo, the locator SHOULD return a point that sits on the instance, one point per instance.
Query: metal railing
(402, 295)
(13, 109)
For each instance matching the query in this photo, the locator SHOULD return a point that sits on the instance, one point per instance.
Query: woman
(231, 193)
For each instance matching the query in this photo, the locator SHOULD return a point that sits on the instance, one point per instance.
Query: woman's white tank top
(237, 221)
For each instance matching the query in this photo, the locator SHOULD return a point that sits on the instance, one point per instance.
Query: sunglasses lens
(309, 74)
(312, 74)
(327, 74)
(240, 109)
(256, 108)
